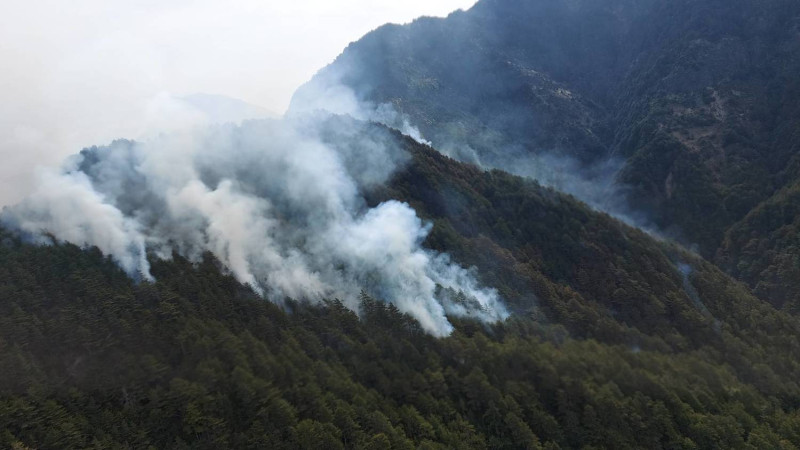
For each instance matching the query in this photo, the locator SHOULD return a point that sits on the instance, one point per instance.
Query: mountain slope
(614, 343)
(551, 255)
(697, 99)
(763, 250)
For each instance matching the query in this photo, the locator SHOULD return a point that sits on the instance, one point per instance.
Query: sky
(85, 72)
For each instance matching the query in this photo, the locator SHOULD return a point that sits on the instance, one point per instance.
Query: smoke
(490, 134)
(278, 202)
(327, 92)
(594, 184)
(66, 205)
(685, 271)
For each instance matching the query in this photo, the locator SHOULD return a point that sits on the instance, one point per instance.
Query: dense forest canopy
(617, 341)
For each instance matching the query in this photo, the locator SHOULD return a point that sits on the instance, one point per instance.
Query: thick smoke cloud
(85, 72)
(67, 205)
(278, 202)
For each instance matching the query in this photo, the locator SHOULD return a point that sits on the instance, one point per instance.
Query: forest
(591, 358)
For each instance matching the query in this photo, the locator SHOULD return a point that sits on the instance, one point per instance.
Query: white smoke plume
(278, 202)
(327, 92)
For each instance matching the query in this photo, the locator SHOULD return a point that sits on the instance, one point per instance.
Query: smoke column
(278, 202)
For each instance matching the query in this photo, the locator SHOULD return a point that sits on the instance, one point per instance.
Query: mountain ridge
(695, 98)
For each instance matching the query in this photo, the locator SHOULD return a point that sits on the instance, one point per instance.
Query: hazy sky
(83, 72)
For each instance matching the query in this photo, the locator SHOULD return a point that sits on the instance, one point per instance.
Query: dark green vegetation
(699, 98)
(611, 345)
(764, 249)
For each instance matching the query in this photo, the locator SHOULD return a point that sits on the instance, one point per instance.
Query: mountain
(692, 103)
(617, 340)
(398, 278)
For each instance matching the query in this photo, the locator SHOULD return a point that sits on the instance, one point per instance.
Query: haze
(86, 72)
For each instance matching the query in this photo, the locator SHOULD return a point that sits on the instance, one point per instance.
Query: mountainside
(617, 341)
(694, 103)
(763, 249)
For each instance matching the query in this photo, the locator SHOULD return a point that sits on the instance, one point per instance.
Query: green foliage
(608, 347)
(763, 249)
